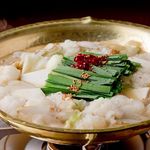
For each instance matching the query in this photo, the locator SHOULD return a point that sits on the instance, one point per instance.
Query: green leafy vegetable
(99, 81)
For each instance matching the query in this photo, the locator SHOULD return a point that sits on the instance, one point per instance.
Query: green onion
(101, 81)
(117, 57)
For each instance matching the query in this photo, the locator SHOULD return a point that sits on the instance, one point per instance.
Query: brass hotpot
(33, 36)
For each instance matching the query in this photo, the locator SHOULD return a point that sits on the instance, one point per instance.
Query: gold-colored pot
(35, 35)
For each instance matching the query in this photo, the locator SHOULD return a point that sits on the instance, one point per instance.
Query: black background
(23, 12)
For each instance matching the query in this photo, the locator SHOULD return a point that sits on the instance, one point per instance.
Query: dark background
(23, 12)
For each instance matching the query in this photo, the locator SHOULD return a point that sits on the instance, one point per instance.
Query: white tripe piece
(91, 122)
(88, 45)
(27, 112)
(50, 49)
(60, 102)
(46, 49)
(128, 106)
(45, 113)
(40, 114)
(70, 48)
(65, 107)
(10, 104)
(110, 110)
(141, 77)
(12, 86)
(8, 73)
(130, 48)
(33, 96)
(47, 120)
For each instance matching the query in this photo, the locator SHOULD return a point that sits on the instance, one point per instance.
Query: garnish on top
(90, 76)
(86, 61)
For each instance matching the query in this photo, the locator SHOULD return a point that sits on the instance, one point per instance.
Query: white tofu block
(36, 78)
